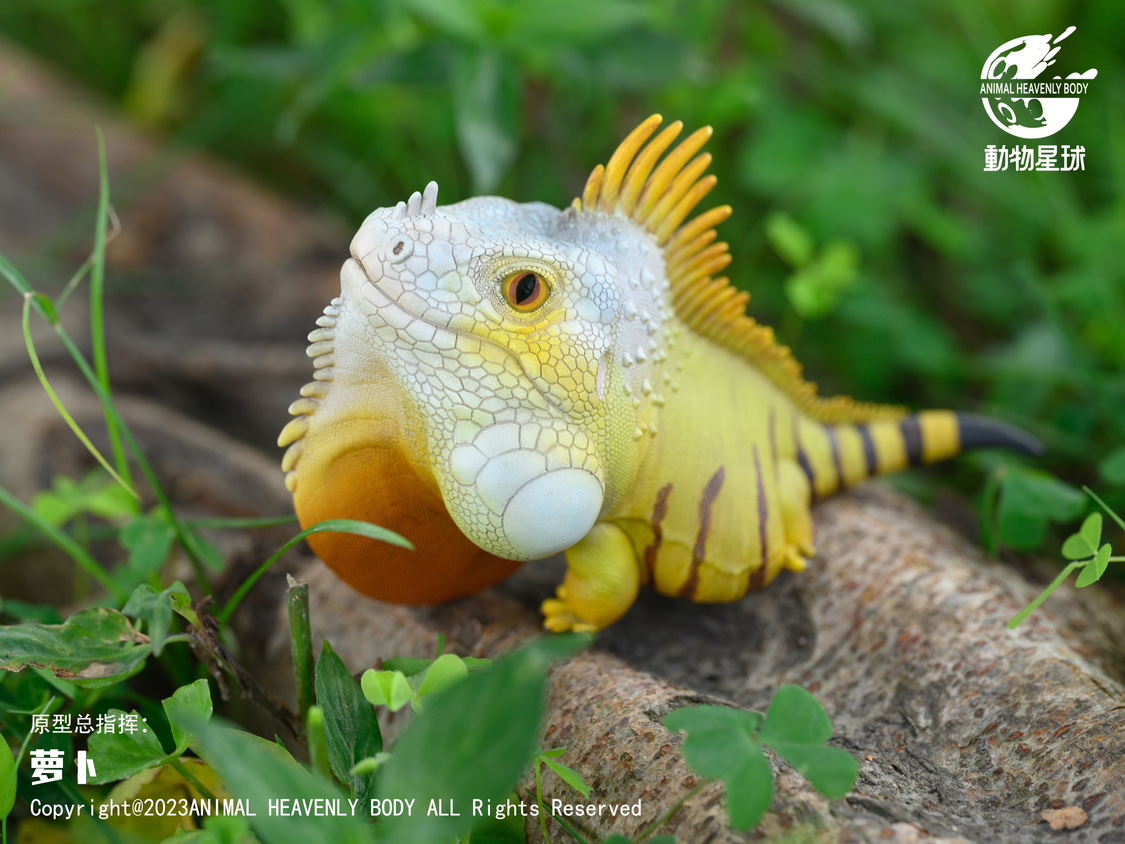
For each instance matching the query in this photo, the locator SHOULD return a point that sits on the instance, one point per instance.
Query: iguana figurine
(499, 382)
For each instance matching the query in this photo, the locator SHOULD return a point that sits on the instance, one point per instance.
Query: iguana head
(530, 342)
(506, 324)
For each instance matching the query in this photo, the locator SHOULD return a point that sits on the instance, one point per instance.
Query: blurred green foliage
(849, 137)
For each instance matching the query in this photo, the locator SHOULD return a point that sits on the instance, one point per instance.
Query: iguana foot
(602, 579)
(795, 558)
(559, 617)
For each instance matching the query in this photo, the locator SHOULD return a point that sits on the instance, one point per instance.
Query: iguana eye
(525, 291)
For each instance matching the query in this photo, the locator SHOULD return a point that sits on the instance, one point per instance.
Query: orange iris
(525, 291)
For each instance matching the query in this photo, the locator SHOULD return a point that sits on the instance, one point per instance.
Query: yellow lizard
(499, 382)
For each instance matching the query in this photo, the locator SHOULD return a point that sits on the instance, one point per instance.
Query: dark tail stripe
(912, 439)
(757, 579)
(869, 455)
(699, 552)
(982, 432)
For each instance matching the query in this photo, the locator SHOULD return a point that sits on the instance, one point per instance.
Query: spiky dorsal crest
(659, 195)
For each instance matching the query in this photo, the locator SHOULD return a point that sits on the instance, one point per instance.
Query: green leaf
(386, 688)
(407, 665)
(789, 240)
(107, 499)
(712, 717)
(719, 753)
(568, 775)
(1112, 469)
(796, 716)
(750, 791)
(1020, 530)
(830, 771)
(723, 744)
(7, 779)
(816, 289)
(1094, 569)
(1033, 493)
(1084, 544)
(455, 19)
(510, 830)
(486, 111)
(439, 757)
(94, 648)
(155, 610)
(352, 730)
(97, 494)
(796, 728)
(149, 540)
(444, 672)
(188, 705)
(538, 25)
(258, 771)
(210, 555)
(119, 756)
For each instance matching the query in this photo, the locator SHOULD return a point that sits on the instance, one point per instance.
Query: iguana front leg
(602, 579)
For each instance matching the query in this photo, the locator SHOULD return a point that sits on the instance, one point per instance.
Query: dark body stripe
(659, 511)
(758, 577)
(803, 458)
(699, 552)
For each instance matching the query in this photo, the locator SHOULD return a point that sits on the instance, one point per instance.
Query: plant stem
(1104, 506)
(191, 779)
(539, 801)
(318, 742)
(1022, 616)
(652, 828)
(300, 641)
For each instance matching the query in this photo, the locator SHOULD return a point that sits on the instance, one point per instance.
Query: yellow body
(500, 382)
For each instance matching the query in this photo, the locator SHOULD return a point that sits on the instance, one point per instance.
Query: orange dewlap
(374, 482)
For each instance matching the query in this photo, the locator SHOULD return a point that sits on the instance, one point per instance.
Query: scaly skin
(501, 382)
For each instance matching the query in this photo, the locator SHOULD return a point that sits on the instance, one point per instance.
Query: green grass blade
(240, 523)
(57, 402)
(97, 310)
(65, 543)
(330, 526)
(183, 534)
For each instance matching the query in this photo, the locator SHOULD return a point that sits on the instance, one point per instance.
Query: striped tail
(835, 457)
